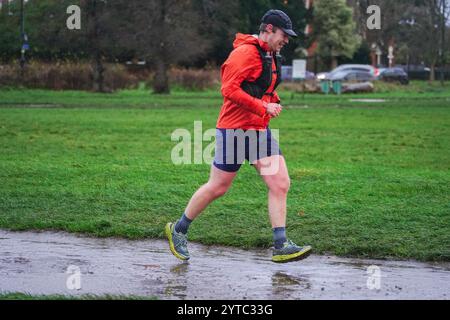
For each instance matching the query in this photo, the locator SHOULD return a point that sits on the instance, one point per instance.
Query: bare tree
(431, 17)
(220, 22)
(98, 27)
(164, 32)
(418, 28)
(94, 9)
(443, 8)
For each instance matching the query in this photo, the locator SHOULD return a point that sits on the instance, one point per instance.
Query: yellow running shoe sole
(168, 231)
(304, 253)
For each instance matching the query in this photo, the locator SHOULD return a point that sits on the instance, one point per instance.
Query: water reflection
(285, 285)
(177, 282)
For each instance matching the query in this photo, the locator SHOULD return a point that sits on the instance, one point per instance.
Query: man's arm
(275, 98)
(241, 65)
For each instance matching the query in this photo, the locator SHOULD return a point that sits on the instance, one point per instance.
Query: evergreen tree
(335, 30)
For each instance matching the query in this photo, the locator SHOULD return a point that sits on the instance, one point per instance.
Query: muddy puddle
(62, 263)
(368, 100)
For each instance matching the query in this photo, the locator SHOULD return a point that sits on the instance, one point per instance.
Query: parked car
(393, 75)
(416, 72)
(352, 75)
(286, 74)
(413, 67)
(347, 72)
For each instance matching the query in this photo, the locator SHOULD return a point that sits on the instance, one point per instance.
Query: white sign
(298, 69)
(391, 53)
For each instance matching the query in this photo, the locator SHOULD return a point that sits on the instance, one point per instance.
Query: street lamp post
(442, 48)
(24, 39)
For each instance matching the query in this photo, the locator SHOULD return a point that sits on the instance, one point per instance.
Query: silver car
(350, 72)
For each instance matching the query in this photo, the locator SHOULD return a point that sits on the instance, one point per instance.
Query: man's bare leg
(273, 171)
(278, 184)
(218, 184)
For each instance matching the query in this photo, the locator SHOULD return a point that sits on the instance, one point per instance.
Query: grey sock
(183, 224)
(279, 237)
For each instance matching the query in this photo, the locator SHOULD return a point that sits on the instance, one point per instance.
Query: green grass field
(367, 179)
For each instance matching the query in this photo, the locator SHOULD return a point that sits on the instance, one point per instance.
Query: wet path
(48, 262)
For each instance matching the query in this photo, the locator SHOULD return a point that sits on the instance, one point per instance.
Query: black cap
(279, 19)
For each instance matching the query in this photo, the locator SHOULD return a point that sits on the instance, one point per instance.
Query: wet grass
(418, 93)
(368, 179)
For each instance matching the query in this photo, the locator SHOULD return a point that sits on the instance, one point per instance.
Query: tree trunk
(334, 62)
(98, 74)
(432, 72)
(96, 51)
(442, 50)
(161, 81)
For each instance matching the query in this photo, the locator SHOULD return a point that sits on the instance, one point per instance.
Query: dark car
(394, 75)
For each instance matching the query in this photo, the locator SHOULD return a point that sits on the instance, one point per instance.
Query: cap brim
(290, 32)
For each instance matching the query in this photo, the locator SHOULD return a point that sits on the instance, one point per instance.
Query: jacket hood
(242, 39)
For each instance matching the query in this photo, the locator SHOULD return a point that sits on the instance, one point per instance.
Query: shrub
(194, 79)
(65, 76)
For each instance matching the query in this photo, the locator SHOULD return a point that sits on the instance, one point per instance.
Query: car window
(335, 71)
(362, 75)
(341, 69)
(338, 72)
(362, 70)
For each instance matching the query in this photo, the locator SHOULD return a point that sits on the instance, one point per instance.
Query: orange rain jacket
(239, 109)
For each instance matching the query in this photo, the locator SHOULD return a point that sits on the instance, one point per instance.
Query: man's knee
(280, 185)
(218, 190)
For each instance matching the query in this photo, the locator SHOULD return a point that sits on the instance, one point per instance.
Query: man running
(250, 76)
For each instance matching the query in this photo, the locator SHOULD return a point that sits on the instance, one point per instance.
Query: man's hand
(273, 109)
